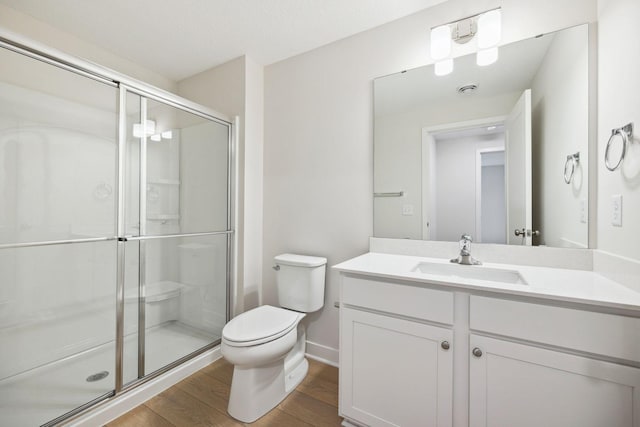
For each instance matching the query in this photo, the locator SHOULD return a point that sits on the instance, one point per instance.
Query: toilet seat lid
(261, 324)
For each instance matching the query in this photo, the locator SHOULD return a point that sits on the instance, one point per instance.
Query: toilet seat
(259, 325)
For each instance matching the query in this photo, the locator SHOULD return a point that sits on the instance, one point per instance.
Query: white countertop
(578, 286)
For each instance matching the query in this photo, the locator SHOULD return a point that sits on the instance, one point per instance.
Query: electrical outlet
(616, 210)
(407, 210)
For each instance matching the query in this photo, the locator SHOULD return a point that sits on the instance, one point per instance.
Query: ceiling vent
(468, 89)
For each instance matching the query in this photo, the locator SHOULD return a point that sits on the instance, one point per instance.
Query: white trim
(428, 220)
(479, 153)
(236, 302)
(117, 406)
(323, 353)
(467, 124)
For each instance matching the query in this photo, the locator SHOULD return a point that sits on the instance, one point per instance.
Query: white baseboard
(322, 353)
(117, 406)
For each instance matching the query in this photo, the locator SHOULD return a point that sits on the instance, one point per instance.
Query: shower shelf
(162, 217)
(162, 181)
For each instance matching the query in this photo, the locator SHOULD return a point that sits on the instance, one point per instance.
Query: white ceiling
(179, 38)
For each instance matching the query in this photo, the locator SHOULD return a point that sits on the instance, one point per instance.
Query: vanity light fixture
(156, 138)
(489, 34)
(167, 134)
(488, 28)
(441, 49)
(440, 42)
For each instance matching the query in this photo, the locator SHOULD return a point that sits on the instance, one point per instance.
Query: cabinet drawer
(405, 300)
(598, 333)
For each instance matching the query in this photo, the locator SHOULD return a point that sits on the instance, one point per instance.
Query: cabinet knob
(477, 352)
(445, 345)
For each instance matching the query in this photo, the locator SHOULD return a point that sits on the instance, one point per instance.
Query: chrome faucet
(465, 257)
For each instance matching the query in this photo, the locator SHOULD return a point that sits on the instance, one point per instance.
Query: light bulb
(489, 28)
(440, 42)
(487, 56)
(442, 68)
(150, 129)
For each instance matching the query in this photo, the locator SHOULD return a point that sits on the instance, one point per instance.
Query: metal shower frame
(125, 85)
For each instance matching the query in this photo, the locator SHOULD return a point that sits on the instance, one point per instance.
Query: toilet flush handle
(276, 267)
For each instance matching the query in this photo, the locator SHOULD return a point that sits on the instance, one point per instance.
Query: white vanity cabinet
(558, 375)
(406, 360)
(520, 385)
(396, 367)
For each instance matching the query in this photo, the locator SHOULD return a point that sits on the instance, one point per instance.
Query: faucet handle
(466, 238)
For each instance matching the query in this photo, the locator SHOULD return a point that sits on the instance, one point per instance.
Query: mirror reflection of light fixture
(167, 134)
(150, 129)
(489, 34)
(440, 42)
(441, 49)
(444, 67)
(487, 56)
(156, 138)
(488, 28)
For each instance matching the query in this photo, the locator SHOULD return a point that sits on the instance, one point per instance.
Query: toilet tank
(300, 280)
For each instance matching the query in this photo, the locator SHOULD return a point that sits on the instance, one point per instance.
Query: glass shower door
(177, 234)
(114, 236)
(57, 240)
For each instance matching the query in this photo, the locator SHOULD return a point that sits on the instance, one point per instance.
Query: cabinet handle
(477, 352)
(445, 345)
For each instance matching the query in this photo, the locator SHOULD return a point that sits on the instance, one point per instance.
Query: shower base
(39, 395)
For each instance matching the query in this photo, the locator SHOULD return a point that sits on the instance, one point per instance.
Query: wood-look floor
(201, 400)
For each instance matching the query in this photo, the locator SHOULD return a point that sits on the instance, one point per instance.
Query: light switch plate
(616, 210)
(583, 211)
(407, 210)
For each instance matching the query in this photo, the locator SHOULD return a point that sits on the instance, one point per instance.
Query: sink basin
(475, 272)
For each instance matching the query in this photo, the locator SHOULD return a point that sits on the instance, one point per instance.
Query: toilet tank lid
(300, 260)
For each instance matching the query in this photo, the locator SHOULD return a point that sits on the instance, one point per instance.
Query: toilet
(266, 345)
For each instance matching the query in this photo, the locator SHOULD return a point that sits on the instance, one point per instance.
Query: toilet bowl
(267, 344)
(266, 347)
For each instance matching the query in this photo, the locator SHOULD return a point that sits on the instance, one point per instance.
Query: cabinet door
(394, 372)
(520, 385)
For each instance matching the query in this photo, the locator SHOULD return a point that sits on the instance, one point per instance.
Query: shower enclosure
(115, 233)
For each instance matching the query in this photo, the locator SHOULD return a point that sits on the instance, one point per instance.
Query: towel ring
(626, 133)
(572, 160)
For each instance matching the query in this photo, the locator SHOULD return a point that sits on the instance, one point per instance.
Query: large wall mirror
(500, 152)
